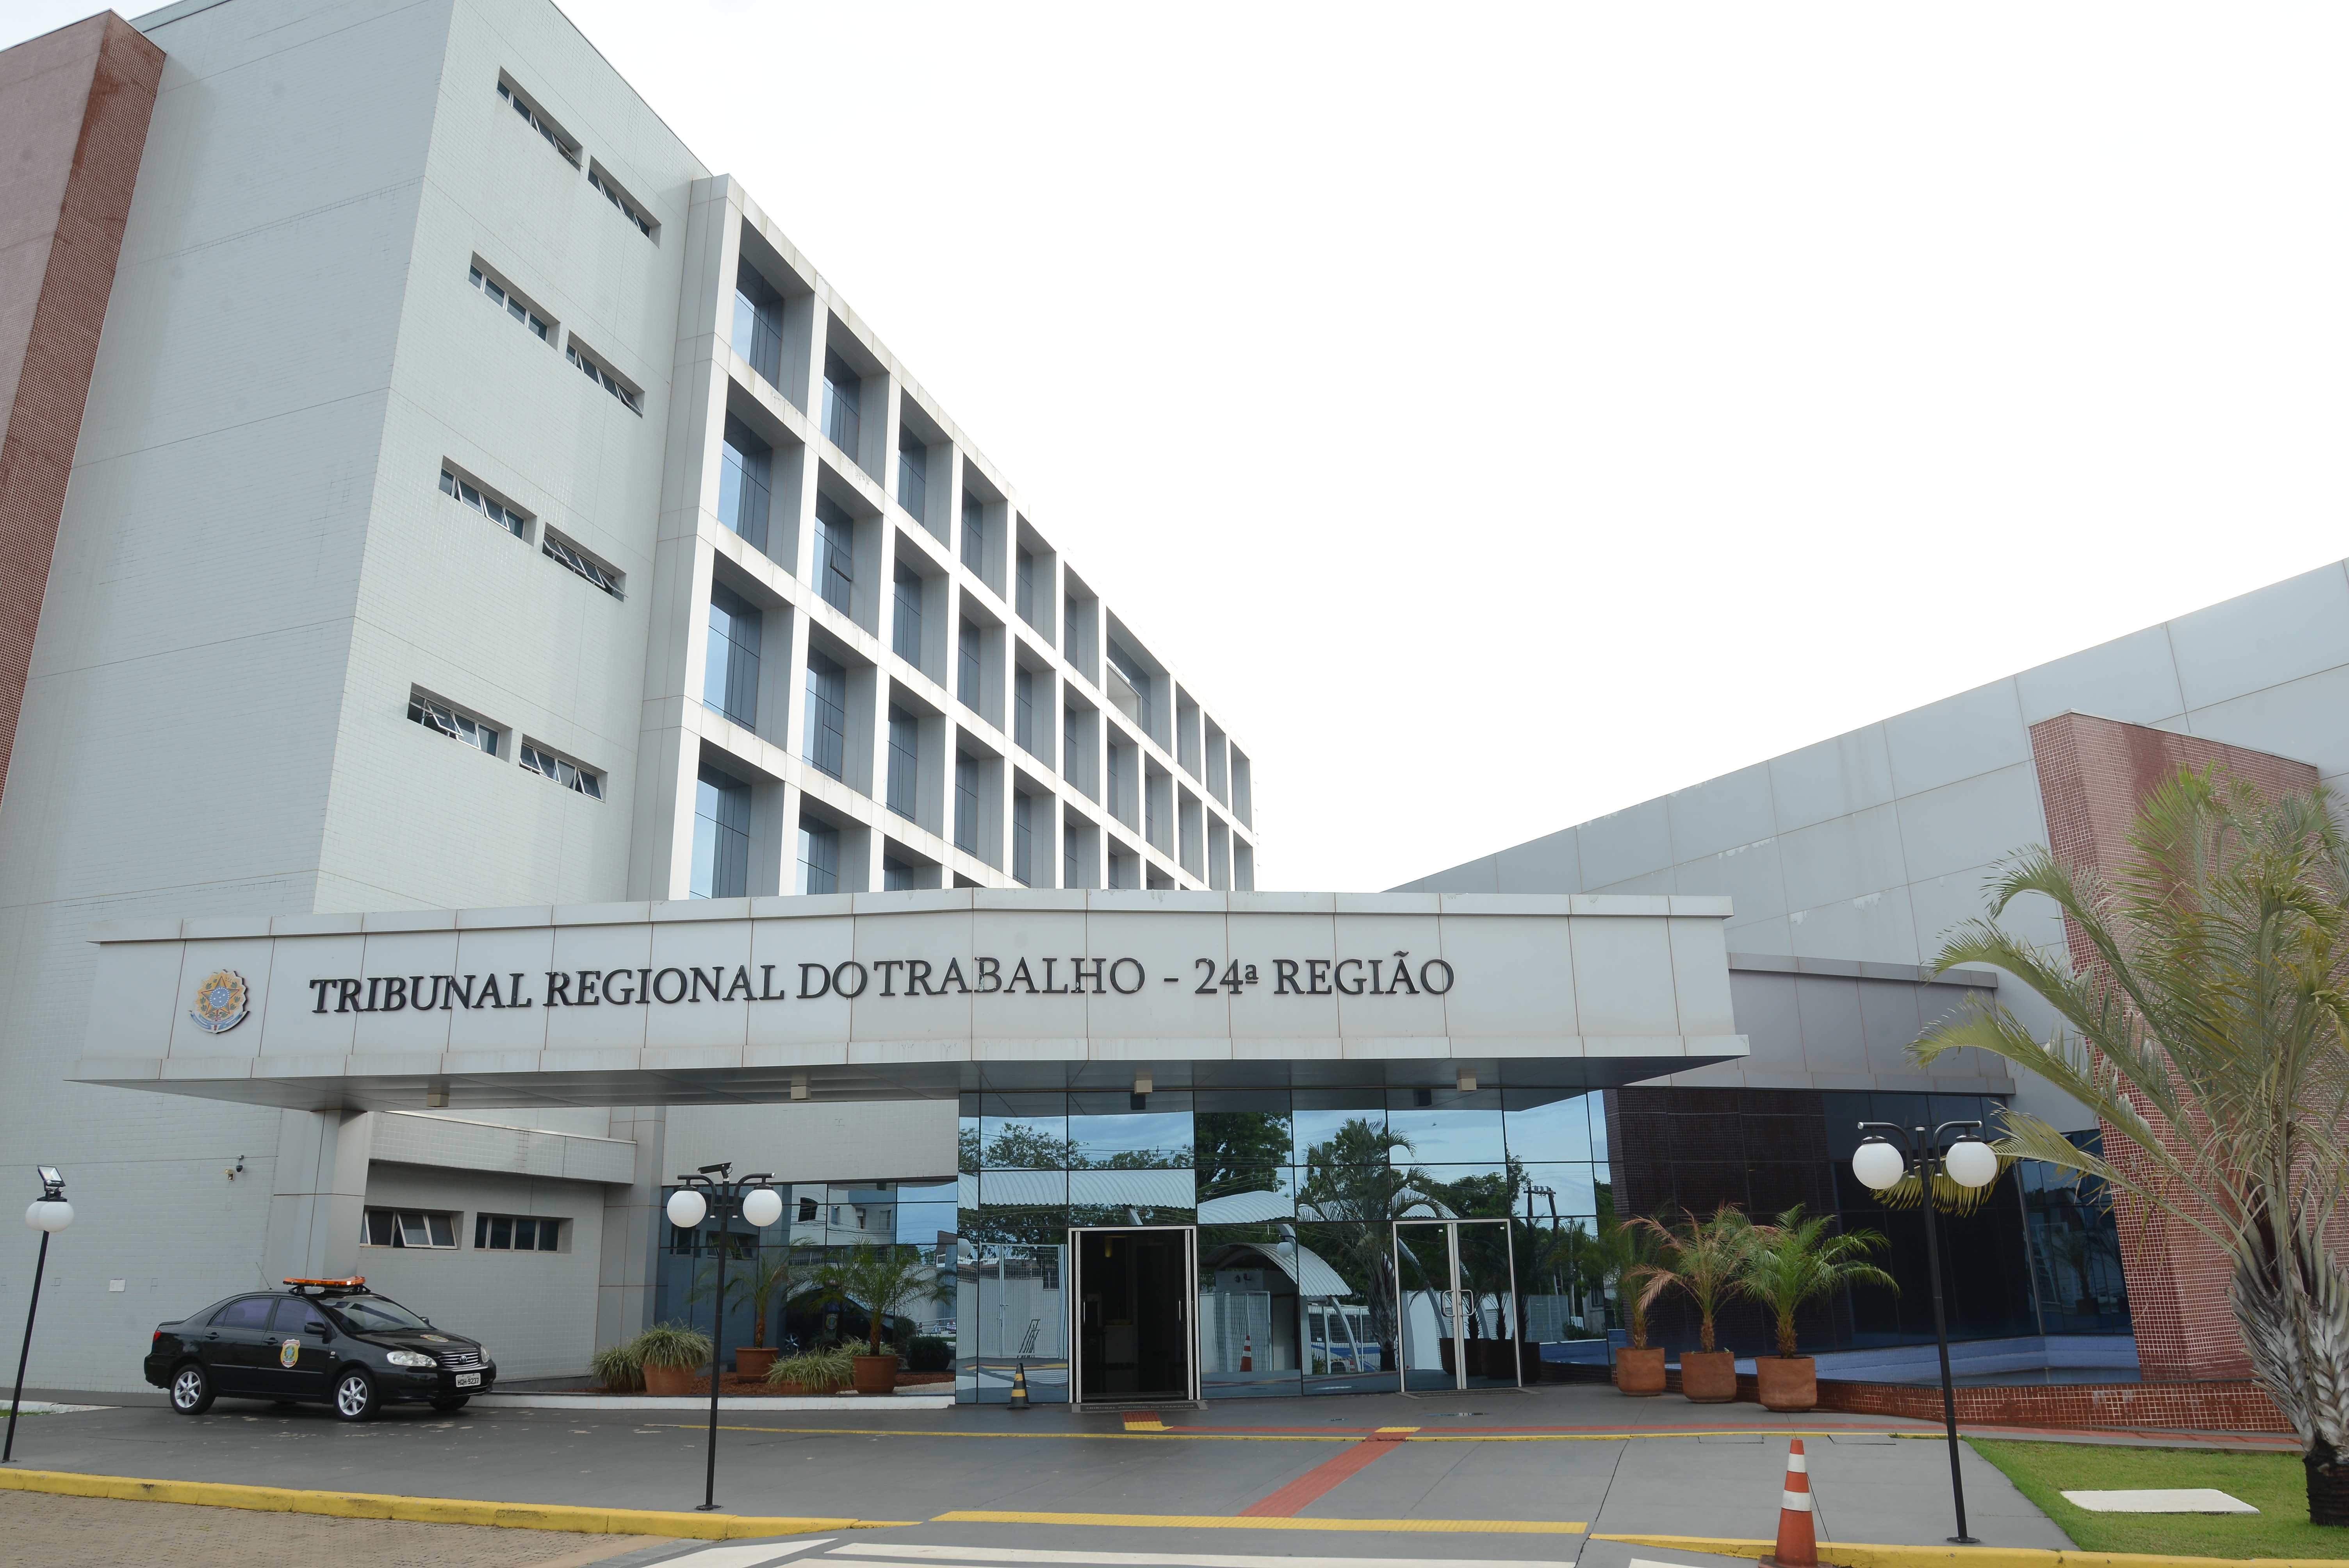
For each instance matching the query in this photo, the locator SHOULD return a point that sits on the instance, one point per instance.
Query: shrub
(618, 1367)
(815, 1369)
(925, 1353)
(675, 1346)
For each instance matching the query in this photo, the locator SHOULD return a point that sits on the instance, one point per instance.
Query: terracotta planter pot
(669, 1379)
(753, 1362)
(875, 1374)
(1708, 1377)
(1640, 1373)
(1788, 1382)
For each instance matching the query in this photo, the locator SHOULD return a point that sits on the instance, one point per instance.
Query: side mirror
(319, 1330)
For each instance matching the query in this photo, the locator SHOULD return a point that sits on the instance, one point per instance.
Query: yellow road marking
(426, 1509)
(1415, 1435)
(1232, 1522)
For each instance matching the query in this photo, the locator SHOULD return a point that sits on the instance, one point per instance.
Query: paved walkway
(1278, 1478)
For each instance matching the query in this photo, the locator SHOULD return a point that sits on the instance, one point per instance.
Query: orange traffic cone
(1247, 1352)
(1798, 1540)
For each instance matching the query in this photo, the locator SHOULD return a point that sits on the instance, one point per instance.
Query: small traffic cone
(1798, 1542)
(1247, 1352)
(1019, 1386)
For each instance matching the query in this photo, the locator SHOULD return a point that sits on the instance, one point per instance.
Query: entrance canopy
(910, 996)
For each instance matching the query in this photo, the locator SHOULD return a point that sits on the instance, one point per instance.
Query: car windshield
(375, 1313)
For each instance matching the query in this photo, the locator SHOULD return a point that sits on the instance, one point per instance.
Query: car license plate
(469, 1379)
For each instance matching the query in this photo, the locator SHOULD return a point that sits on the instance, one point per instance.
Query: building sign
(908, 993)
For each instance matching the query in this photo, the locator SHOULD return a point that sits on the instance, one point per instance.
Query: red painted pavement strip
(1322, 1479)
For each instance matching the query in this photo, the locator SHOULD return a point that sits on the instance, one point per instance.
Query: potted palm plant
(1707, 1259)
(670, 1353)
(884, 1281)
(774, 1274)
(1628, 1250)
(1790, 1262)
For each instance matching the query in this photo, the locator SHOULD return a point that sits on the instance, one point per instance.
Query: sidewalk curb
(425, 1509)
(501, 1401)
(1856, 1554)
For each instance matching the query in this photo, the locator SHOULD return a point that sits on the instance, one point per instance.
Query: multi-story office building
(456, 494)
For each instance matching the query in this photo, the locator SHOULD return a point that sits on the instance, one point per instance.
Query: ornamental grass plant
(817, 1371)
(676, 1346)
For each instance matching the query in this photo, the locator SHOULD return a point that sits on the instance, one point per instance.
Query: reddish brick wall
(2093, 773)
(2227, 1405)
(74, 108)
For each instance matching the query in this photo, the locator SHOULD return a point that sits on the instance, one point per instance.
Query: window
(758, 324)
(1121, 870)
(505, 516)
(1068, 859)
(498, 295)
(906, 624)
(904, 757)
(844, 393)
(1135, 673)
(973, 534)
(823, 743)
(298, 1316)
(965, 803)
(1069, 645)
(600, 374)
(516, 1233)
(1071, 745)
(409, 1228)
(442, 719)
(967, 674)
(253, 1312)
(1023, 840)
(819, 858)
(896, 876)
(912, 474)
(807, 1210)
(743, 484)
(835, 553)
(1023, 710)
(561, 770)
(1114, 795)
(538, 122)
(731, 681)
(1149, 812)
(558, 549)
(601, 181)
(721, 836)
(1027, 588)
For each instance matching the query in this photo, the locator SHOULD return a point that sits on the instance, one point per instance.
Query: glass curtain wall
(1296, 1194)
(745, 483)
(721, 836)
(731, 676)
(758, 324)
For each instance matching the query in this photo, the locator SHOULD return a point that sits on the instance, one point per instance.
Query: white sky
(1504, 415)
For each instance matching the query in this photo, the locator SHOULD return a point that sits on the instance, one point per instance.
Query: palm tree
(1629, 1250)
(1704, 1257)
(1353, 1193)
(2211, 1033)
(884, 1281)
(1796, 1261)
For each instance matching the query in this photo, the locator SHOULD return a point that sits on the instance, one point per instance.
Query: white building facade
(480, 502)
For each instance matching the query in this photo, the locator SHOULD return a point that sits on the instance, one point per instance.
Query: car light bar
(354, 1283)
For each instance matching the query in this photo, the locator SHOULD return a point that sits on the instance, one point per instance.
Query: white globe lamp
(686, 1209)
(1878, 1164)
(763, 1207)
(50, 1214)
(1971, 1162)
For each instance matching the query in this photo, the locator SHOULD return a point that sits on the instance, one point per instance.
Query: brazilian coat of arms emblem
(220, 999)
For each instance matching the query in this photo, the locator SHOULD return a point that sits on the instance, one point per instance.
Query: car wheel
(354, 1398)
(451, 1405)
(191, 1390)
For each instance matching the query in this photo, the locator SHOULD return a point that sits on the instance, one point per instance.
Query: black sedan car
(331, 1342)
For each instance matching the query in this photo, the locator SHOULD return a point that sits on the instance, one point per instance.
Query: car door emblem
(289, 1353)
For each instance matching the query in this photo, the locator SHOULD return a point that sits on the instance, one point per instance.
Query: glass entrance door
(1456, 1305)
(1131, 1297)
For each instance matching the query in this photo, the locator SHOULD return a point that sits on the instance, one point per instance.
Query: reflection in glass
(1012, 1314)
(1555, 1130)
(1454, 1129)
(1247, 1197)
(1104, 1131)
(1125, 1190)
(1024, 1132)
(1346, 1307)
(1423, 1271)
(1237, 1137)
(1564, 1189)
(1321, 1118)
(1022, 1189)
(1464, 1192)
(1249, 1285)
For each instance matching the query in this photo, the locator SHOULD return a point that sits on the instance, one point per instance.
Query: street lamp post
(1969, 1163)
(48, 1215)
(708, 1191)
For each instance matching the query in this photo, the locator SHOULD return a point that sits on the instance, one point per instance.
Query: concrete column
(634, 1229)
(317, 1204)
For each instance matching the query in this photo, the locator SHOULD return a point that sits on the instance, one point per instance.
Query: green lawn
(2271, 1483)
